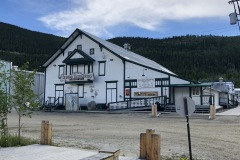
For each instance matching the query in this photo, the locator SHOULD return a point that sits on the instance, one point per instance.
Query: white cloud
(98, 16)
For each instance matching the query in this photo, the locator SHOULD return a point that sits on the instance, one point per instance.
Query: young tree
(23, 97)
(4, 100)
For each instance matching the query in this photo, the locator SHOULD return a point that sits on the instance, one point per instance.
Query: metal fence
(137, 103)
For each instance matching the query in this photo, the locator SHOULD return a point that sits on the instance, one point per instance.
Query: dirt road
(217, 139)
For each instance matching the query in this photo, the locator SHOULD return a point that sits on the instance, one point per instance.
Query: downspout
(201, 95)
(124, 74)
(44, 93)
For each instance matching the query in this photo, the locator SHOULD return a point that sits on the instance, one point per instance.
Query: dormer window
(91, 51)
(79, 47)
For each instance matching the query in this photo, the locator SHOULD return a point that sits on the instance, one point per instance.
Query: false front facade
(88, 69)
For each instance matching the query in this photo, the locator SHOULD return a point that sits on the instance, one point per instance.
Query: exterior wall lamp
(143, 71)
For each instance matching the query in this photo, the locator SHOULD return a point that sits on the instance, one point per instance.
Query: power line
(216, 29)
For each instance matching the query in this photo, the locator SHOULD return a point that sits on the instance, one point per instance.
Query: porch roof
(191, 85)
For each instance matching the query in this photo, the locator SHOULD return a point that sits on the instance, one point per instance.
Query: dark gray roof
(120, 51)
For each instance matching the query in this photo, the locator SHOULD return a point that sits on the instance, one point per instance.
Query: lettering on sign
(146, 83)
(77, 77)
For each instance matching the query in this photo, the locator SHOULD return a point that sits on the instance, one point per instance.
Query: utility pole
(235, 16)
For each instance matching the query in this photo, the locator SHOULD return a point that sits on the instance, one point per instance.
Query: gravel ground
(217, 139)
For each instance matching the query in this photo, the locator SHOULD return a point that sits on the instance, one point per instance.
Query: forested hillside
(199, 58)
(19, 45)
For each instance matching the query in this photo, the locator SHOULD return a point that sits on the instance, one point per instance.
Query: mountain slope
(199, 58)
(19, 45)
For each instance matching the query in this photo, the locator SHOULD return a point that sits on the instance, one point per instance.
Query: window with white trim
(61, 70)
(196, 91)
(102, 68)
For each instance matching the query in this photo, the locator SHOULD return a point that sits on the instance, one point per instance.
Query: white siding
(134, 71)
(182, 91)
(175, 80)
(113, 73)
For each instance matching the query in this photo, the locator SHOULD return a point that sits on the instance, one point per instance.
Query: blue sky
(118, 18)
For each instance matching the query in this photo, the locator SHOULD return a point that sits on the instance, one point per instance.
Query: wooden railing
(55, 101)
(137, 103)
(52, 103)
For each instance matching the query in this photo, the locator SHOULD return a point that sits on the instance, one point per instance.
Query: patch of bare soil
(217, 139)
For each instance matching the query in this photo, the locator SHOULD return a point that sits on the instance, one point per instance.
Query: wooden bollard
(149, 133)
(154, 110)
(150, 145)
(156, 147)
(143, 151)
(212, 114)
(46, 133)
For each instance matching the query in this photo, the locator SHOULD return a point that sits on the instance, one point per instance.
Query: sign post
(188, 128)
(185, 107)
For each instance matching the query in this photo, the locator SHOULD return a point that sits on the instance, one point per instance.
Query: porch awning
(190, 85)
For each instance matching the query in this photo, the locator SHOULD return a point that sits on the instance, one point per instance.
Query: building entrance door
(111, 95)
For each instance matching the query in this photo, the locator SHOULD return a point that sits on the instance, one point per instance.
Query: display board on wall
(145, 94)
(145, 83)
(71, 101)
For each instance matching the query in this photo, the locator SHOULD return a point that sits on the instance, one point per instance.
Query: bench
(99, 156)
(114, 152)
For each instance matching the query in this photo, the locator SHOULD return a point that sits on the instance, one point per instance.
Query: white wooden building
(38, 87)
(86, 68)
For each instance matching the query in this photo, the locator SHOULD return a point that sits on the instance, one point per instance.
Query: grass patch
(182, 157)
(12, 140)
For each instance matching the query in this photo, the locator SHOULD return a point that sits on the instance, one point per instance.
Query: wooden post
(143, 151)
(150, 145)
(155, 107)
(46, 133)
(214, 112)
(49, 132)
(154, 110)
(42, 132)
(155, 152)
(149, 133)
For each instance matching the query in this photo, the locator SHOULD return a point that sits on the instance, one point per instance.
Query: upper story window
(91, 51)
(102, 68)
(196, 91)
(79, 47)
(73, 69)
(61, 70)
